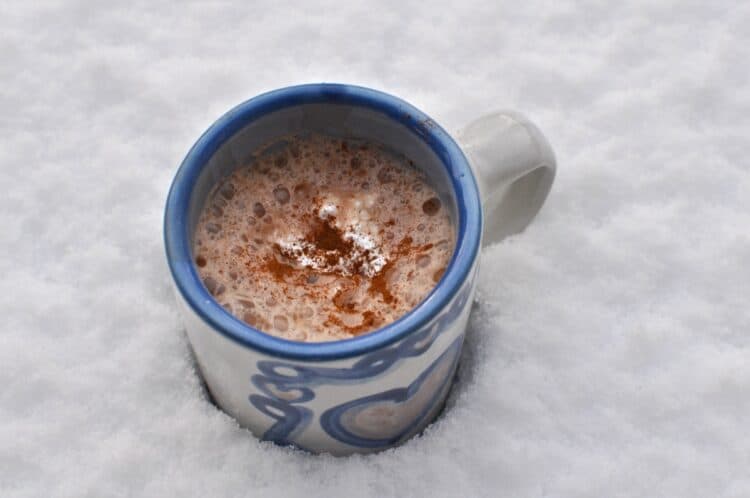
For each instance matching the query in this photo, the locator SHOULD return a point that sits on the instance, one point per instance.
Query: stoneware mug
(373, 391)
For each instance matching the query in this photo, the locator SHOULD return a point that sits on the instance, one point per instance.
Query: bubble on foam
(281, 193)
(438, 274)
(246, 302)
(210, 283)
(431, 206)
(328, 209)
(280, 323)
(227, 191)
(253, 319)
(259, 210)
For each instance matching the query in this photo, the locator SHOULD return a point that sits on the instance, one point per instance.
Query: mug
(376, 390)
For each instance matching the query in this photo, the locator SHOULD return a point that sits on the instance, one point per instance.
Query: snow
(609, 352)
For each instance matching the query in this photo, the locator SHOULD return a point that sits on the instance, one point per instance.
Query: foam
(318, 239)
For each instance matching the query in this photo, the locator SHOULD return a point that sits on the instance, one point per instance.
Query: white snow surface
(609, 350)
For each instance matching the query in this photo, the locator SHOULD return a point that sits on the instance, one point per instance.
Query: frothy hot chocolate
(322, 239)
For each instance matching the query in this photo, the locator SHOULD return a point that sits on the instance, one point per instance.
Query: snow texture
(609, 350)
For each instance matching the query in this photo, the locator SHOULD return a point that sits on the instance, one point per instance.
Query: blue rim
(178, 246)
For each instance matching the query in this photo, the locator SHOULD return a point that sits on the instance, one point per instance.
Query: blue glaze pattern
(284, 386)
(290, 419)
(358, 421)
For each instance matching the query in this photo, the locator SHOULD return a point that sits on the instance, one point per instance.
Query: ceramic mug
(376, 390)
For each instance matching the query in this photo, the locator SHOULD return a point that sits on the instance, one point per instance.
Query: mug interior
(335, 110)
(340, 120)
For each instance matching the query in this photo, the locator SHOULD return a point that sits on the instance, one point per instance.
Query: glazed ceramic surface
(377, 390)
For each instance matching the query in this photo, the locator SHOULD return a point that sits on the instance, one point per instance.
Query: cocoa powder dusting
(278, 270)
(328, 237)
(379, 284)
(369, 321)
(316, 242)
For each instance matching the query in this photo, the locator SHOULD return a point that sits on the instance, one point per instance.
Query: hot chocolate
(320, 239)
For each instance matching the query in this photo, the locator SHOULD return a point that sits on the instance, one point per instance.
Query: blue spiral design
(290, 419)
(334, 421)
(283, 386)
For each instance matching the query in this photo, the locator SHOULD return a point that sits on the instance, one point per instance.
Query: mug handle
(514, 166)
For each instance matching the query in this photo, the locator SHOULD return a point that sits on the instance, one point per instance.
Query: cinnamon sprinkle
(320, 242)
(277, 269)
